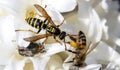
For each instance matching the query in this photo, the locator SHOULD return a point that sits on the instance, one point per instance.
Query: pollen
(30, 12)
(73, 44)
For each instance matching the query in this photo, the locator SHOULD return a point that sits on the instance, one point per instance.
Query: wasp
(32, 49)
(81, 50)
(52, 29)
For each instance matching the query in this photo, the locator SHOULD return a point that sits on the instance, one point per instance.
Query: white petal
(95, 27)
(9, 6)
(17, 6)
(53, 49)
(104, 30)
(92, 67)
(112, 66)
(55, 63)
(94, 3)
(15, 64)
(83, 9)
(2, 67)
(7, 28)
(66, 66)
(89, 22)
(110, 55)
(55, 15)
(113, 24)
(7, 36)
(61, 5)
(40, 63)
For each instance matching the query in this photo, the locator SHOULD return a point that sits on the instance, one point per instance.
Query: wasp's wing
(42, 10)
(44, 13)
(37, 37)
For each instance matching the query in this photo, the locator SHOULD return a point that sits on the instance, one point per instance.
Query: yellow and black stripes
(36, 23)
(50, 29)
(82, 38)
(40, 24)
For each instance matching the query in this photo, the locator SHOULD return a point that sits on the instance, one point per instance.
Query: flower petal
(55, 62)
(110, 55)
(53, 49)
(15, 64)
(61, 5)
(40, 63)
(7, 43)
(89, 22)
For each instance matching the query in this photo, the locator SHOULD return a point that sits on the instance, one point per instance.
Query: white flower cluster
(98, 19)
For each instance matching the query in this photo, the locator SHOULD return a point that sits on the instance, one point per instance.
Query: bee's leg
(70, 61)
(57, 40)
(72, 51)
(27, 31)
(65, 44)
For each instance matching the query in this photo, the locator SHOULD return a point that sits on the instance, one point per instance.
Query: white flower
(14, 18)
(94, 18)
(95, 29)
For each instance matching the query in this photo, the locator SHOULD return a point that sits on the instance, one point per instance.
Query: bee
(52, 29)
(32, 49)
(81, 50)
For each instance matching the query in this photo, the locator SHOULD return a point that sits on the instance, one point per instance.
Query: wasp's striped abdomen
(36, 23)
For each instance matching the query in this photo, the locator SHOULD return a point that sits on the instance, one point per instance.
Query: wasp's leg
(60, 24)
(45, 39)
(57, 40)
(27, 31)
(38, 31)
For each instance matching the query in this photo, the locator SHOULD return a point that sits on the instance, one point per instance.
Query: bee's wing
(44, 13)
(91, 48)
(37, 37)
